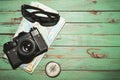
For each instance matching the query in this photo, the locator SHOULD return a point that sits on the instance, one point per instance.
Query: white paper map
(48, 33)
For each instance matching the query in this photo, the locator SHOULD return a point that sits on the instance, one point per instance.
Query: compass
(52, 69)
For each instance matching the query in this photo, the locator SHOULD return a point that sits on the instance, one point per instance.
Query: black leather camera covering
(15, 53)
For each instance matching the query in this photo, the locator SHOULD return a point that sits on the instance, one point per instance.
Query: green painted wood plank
(87, 40)
(75, 28)
(4, 39)
(91, 16)
(107, 17)
(14, 5)
(80, 52)
(84, 64)
(102, 28)
(81, 75)
(65, 75)
(75, 64)
(78, 40)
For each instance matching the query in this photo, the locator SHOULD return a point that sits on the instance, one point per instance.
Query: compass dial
(52, 69)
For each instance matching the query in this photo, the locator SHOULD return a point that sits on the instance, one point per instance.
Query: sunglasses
(45, 18)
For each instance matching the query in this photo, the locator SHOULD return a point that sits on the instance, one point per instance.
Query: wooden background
(87, 48)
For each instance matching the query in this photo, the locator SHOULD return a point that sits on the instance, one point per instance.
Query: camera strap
(45, 18)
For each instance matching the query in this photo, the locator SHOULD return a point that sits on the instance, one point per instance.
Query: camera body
(25, 47)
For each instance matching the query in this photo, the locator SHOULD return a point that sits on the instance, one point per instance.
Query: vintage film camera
(25, 47)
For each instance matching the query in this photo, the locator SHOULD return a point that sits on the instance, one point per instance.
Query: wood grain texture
(75, 64)
(92, 68)
(82, 17)
(65, 75)
(87, 48)
(61, 5)
(80, 52)
(75, 29)
(78, 40)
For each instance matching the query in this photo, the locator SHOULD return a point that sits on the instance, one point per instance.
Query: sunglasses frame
(50, 20)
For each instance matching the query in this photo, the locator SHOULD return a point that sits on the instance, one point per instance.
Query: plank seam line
(79, 46)
(69, 34)
(10, 11)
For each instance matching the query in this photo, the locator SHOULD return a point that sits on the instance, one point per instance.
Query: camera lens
(26, 46)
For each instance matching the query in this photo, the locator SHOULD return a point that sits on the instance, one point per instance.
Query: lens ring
(26, 48)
